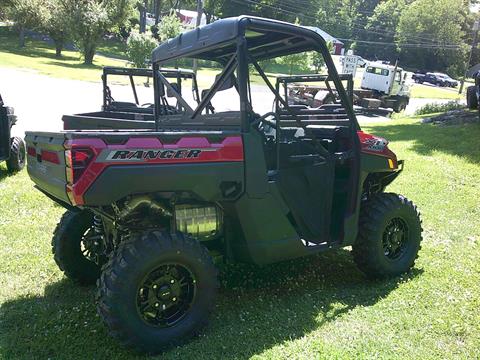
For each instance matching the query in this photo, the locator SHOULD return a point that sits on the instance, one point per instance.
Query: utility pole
(476, 27)
(199, 19)
(143, 16)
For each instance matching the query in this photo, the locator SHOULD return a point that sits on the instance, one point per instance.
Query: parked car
(437, 79)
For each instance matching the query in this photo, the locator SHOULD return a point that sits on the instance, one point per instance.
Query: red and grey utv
(148, 207)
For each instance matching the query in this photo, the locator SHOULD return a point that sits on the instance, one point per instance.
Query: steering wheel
(146, 105)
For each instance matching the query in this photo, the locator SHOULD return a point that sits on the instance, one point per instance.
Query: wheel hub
(165, 295)
(395, 238)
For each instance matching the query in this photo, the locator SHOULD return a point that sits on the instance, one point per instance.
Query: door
(305, 180)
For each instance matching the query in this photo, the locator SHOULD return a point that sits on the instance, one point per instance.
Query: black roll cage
(177, 74)
(234, 53)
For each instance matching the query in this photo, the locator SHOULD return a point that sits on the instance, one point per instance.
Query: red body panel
(139, 151)
(375, 145)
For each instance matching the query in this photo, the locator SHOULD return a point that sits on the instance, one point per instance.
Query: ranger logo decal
(152, 154)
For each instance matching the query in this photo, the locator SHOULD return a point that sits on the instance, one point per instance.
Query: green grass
(40, 56)
(433, 92)
(313, 308)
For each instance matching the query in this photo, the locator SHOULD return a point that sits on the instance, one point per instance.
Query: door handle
(307, 158)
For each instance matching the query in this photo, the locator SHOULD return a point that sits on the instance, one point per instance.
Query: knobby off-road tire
(472, 101)
(16, 161)
(389, 238)
(151, 276)
(68, 239)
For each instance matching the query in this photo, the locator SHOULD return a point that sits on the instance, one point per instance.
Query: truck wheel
(16, 161)
(74, 249)
(400, 105)
(157, 290)
(389, 236)
(472, 101)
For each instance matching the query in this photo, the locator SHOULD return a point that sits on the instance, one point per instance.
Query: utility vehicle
(149, 209)
(12, 149)
(473, 92)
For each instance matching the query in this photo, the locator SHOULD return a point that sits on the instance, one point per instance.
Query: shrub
(438, 107)
(170, 27)
(139, 48)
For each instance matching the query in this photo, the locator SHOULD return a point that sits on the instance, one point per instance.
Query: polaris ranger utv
(149, 209)
(12, 149)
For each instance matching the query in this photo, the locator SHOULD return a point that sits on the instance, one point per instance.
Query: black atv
(473, 93)
(230, 177)
(12, 149)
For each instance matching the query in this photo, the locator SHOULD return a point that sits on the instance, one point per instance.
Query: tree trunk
(58, 48)
(88, 54)
(22, 37)
(158, 4)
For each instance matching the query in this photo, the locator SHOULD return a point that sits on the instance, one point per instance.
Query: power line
(434, 44)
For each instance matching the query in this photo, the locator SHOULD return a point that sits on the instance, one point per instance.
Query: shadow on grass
(459, 140)
(74, 66)
(258, 308)
(3, 173)
(32, 49)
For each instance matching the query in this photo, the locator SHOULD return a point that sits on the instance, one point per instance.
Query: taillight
(77, 161)
(31, 151)
(50, 156)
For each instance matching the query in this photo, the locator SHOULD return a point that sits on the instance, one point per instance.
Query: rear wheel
(389, 236)
(16, 161)
(157, 290)
(74, 247)
(472, 101)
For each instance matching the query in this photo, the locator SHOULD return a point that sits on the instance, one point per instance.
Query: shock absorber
(98, 225)
(100, 243)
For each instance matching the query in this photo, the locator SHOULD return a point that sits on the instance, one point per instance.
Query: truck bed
(103, 120)
(98, 167)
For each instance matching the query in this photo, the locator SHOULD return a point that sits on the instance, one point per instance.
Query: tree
(55, 24)
(26, 14)
(90, 20)
(170, 27)
(316, 58)
(381, 28)
(430, 35)
(139, 48)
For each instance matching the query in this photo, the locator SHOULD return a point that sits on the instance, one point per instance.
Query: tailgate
(46, 163)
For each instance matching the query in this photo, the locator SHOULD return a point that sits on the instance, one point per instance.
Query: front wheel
(16, 161)
(472, 101)
(389, 236)
(157, 290)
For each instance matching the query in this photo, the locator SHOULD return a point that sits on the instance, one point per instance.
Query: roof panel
(217, 40)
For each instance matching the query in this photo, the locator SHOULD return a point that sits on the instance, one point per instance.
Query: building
(338, 46)
(189, 19)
